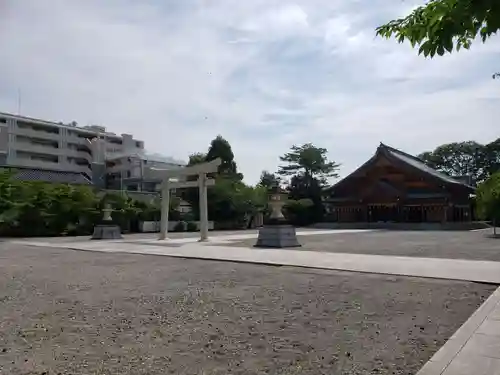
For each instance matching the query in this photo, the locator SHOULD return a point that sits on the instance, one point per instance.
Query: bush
(29, 208)
(300, 212)
(191, 227)
(180, 226)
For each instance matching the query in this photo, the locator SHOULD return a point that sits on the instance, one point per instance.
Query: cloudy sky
(265, 74)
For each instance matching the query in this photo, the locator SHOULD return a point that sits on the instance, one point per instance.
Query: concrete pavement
(455, 269)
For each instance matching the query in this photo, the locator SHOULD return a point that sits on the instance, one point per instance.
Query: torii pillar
(201, 170)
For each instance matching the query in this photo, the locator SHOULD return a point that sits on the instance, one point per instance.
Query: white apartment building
(97, 154)
(131, 170)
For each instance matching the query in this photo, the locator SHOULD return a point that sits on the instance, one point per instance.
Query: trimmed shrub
(191, 227)
(180, 227)
(300, 212)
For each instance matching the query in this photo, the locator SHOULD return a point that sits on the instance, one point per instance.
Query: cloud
(288, 20)
(264, 74)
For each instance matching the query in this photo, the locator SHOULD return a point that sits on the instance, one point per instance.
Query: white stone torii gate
(202, 183)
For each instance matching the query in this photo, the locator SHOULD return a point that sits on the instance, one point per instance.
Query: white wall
(154, 226)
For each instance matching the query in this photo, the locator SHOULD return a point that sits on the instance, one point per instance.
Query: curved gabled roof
(420, 164)
(409, 160)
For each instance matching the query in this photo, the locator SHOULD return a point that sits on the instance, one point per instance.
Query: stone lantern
(277, 199)
(107, 230)
(277, 233)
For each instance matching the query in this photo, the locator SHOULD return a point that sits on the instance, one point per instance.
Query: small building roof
(143, 155)
(46, 175)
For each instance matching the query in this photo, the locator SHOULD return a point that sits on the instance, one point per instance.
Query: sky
(264, 74)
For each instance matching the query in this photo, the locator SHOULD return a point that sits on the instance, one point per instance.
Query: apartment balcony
(25, 162)
(48, 150)
(36, 134)
(77, 154)
(36, 148)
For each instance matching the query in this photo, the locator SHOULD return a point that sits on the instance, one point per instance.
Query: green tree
(220, 148)
(309, 169)
(11, 198)
(458, 159)
(302, 187)
(197, 158)
(488, 199)
(233, 201)
(230, 200)
(442, 25)
(309, 160)
(268, 179)
(491, 158)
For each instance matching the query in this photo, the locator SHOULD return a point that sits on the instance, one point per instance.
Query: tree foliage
(488, 199)
(233, 201)
(268, 179)
(443, 25)
(197, 158)
(468, 158)
(41, 209)
(230, 200)
(457, 159)
(220, 148)
(300, 212)
(491, 158)
(309, 169)
(309, 160)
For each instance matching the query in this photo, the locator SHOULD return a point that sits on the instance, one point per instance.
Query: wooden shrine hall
(393, 186)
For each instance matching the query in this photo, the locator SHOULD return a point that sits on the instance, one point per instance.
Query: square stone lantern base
(106, 231)
(277, 236)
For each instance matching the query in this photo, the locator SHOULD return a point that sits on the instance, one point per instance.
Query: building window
(3, 120)
(115, 141)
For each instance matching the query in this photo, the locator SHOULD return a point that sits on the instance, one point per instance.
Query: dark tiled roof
(45, 175)
(426, 195)
(406, 159)
(419, 164)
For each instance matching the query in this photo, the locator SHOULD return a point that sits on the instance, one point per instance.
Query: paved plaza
(471, 245)
(236, 247)
(454, 257)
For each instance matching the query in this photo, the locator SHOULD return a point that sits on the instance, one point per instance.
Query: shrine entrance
(383, 213)
(170, 180)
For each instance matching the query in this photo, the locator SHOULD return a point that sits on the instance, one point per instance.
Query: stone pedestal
(107, 232)
(277, 236)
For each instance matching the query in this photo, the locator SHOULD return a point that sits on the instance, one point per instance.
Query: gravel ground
(426, 244)
(71, 312)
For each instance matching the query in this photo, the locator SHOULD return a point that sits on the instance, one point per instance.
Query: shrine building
(393, 186)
